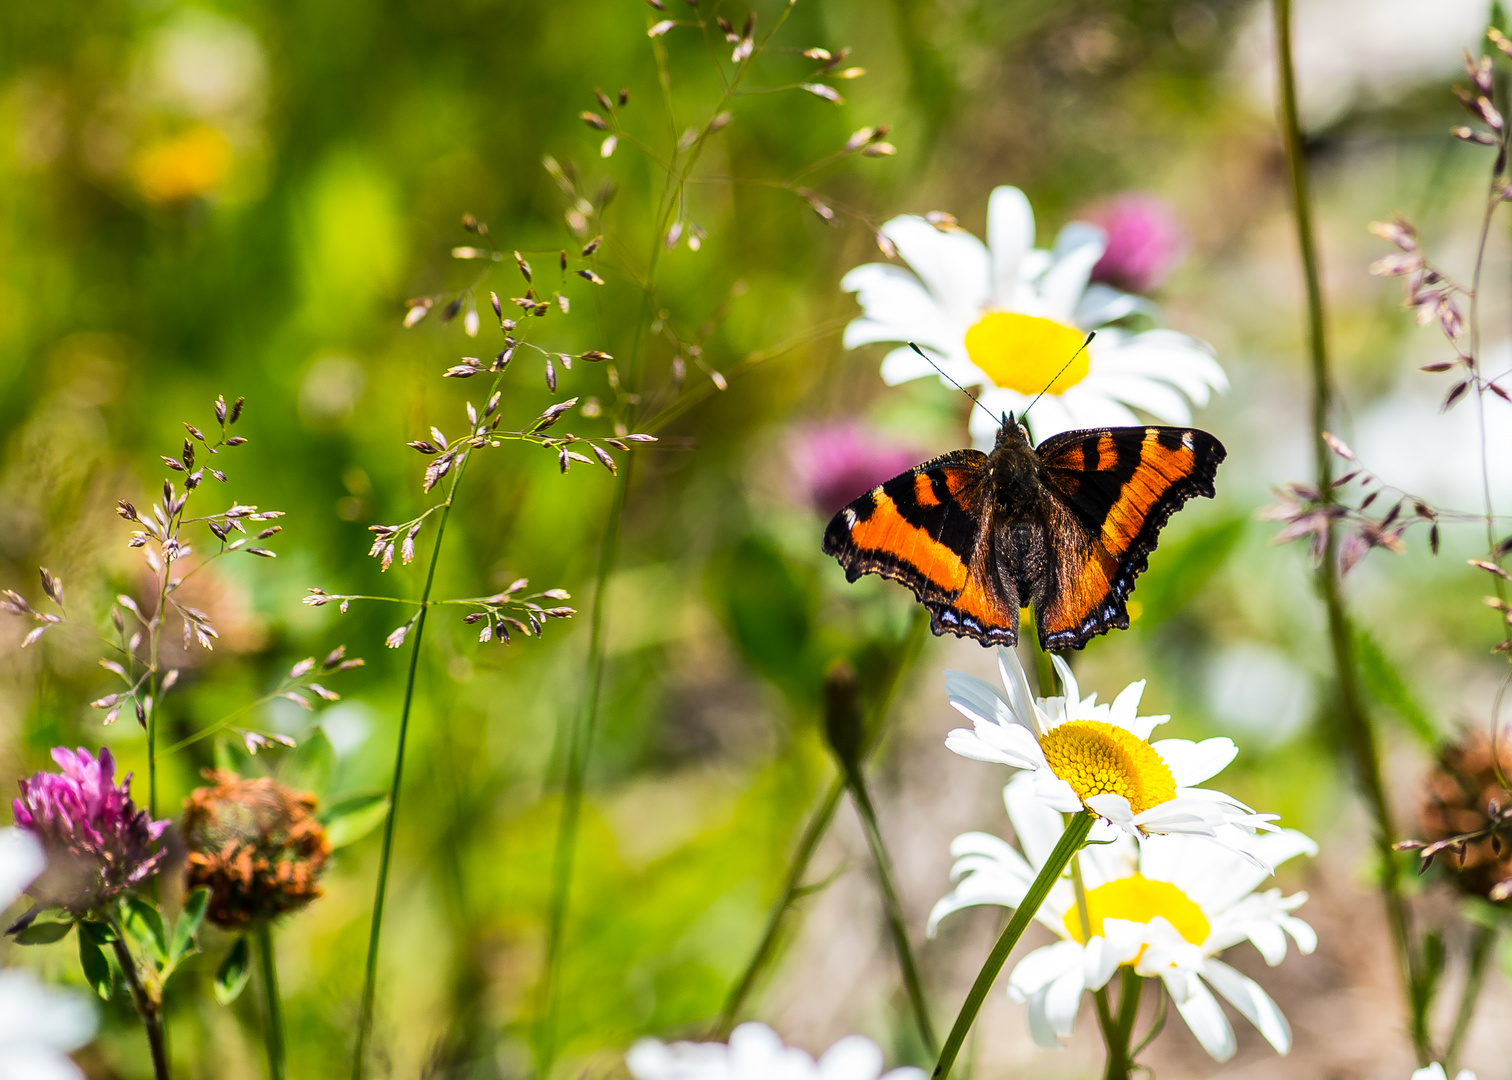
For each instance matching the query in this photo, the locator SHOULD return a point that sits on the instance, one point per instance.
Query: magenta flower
(97, 842)
(834, 463)
(1145, 241)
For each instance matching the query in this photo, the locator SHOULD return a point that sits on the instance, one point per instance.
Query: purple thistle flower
(1145, 241)
(97, 842)
(834, 463)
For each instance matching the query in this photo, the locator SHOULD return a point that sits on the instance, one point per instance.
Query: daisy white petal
(755, 1052)
(1253, 1003)
(1037, 970)
(1192, 762)
(1077, 249)
(952, 264)
(1010, 237)
(1040, 1029)
(1204, 1016)
(1061, 1001)
(1037, 826)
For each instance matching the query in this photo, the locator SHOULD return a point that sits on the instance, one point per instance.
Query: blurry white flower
(755, 1052)
(1436, 1072)
(20, 862)
(38, 1025)
(1009, 318)
(1166, 907)
(1099, 757)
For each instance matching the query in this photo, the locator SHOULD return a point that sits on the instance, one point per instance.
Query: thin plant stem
(580, 742)
(147, 1007)
(1475, 980)
(893, 908)
(814, 831)
(273, 1030)
(1132, 986)
(1357, 728)
(1069, 844)
(792, 885)
(1162, 1003)
(1118, 1065)
(375, 930)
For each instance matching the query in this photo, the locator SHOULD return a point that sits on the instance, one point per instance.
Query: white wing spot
(850, 518)
(1186, 439)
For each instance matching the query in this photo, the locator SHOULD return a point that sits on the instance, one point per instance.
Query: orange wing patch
(1115, 489)
(929, 529)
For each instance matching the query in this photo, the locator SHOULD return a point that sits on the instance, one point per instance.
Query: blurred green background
(238, 199)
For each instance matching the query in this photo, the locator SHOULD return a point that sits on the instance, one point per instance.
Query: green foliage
(97, 970)
(234, 971)
(48, 926)
(349, 819)
(1182, 568)
(767, 607)
(1385, 684)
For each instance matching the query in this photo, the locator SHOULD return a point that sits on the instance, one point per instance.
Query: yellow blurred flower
(183, 166)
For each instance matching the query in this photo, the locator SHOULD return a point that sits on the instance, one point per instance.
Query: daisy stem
(1118, 1064)
(273, 1031)
(817, 826)
(894, 908)
(1475, 979)
(1358, 732)
(1128, 1010)
(1070, 843)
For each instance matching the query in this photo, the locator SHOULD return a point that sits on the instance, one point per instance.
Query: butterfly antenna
(958, 386)
(1090, 335)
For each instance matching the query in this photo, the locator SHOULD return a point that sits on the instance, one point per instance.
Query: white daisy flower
(1099, 757)
(1436, 1072)
(1007, 317)
(38, 1025)
(1166, 908)
(755, 1052)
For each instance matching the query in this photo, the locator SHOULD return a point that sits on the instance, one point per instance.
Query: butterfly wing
(1112, 490)
(929, 529)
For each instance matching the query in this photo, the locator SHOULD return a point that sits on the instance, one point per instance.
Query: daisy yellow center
(1097, 758)
(1024, 352)
(1138, 899)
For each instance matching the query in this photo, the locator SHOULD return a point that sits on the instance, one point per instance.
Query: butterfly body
(1064, 527)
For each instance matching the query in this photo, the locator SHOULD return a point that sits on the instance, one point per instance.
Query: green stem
(1070, 843)
(894, 909)
(817, 826)
(147, 1008)
(375, 930)
(273, 1030)
(1128, 1012)
(1475, 979)
(580, 744)
(1358, 730)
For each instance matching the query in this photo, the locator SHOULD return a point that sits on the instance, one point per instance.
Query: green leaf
(96, 967)
(1179, 571)
(311, 766)
(49, 926)
(1385, 684)
(188, 924)
(767, 607)
(144, 922)
(232, 757)
(234, 971)
(349, 819)
(101, 933)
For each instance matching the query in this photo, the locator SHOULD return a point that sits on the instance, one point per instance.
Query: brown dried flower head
(1463, 798)
(257, 846)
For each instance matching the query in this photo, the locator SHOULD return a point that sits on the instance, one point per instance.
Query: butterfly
(1064, 527)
